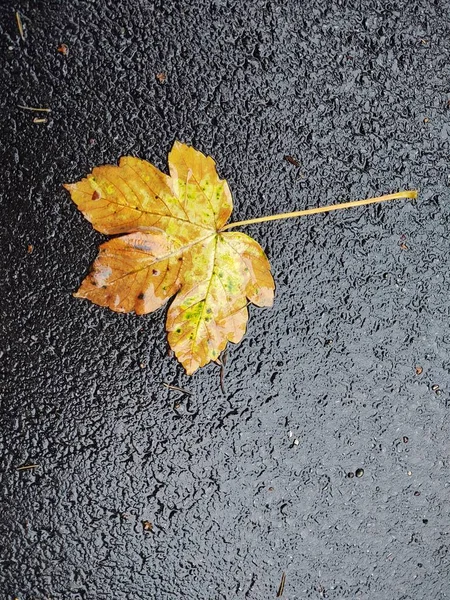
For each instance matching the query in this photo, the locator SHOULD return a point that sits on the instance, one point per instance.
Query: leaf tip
(189, 370)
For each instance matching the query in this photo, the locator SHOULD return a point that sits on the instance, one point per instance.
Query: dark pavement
(240, 487)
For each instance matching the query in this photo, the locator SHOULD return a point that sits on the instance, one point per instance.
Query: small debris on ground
(147, 526)
(223, 363)
(40, 120)
(419, 370)
(34, 108)
(322, 591)
(161, 77)
(20, 26)
(359, 472)
(63, 49)
(291, 160)
(176, 388)
(26, 467)
(30, 248)
(402, 242)
(281, 586)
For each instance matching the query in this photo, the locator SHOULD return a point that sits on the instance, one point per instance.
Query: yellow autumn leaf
(175, 244)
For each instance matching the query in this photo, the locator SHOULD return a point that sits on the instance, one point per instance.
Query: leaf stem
(412, 194)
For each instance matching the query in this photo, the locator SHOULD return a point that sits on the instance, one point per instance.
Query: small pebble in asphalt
(359, 472)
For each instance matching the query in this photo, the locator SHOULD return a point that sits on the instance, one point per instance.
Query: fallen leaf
(174, 245)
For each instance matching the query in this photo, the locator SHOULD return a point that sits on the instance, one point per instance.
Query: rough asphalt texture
(359, 94)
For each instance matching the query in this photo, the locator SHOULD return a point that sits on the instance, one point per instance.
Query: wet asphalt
(328, 457)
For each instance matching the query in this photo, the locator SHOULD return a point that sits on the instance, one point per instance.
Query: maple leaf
(176, 244)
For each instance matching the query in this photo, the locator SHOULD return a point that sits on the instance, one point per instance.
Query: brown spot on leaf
(95, 195)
